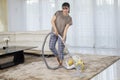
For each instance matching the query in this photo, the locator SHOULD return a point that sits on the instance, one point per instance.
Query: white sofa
(31, 38)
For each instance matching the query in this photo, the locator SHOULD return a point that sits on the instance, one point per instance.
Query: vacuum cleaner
(74, 61)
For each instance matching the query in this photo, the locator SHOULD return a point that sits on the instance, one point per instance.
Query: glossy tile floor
(112, 72)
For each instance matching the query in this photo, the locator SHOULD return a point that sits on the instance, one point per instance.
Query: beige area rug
(38, 71)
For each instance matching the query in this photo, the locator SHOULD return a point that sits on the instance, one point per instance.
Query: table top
(12, 49)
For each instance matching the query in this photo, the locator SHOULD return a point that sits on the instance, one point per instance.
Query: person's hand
(56, 33)
(63, 39)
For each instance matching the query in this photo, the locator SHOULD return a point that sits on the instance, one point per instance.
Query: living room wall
(3, 15)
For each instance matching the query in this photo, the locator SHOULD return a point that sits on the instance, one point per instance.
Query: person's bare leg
(61, 61)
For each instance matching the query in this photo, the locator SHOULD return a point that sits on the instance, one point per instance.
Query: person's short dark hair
(66, 4)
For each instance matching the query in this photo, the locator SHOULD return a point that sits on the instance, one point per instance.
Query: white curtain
(32, 15)
(118, 23)
(39, 14)
(105, 24)
(16, 15)
(83, 23)
(95, 22)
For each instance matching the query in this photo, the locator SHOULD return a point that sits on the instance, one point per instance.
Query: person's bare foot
(58, 60)
(60, 64)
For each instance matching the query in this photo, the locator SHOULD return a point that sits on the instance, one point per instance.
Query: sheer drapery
(32, 15)
(95, 22)
(39, 14)
(16, 15)
(105, 24)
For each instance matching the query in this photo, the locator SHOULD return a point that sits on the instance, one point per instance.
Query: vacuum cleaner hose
(53, 68)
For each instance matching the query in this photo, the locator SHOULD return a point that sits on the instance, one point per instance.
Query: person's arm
(65, 31)
(66, 28)
(53, 24)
